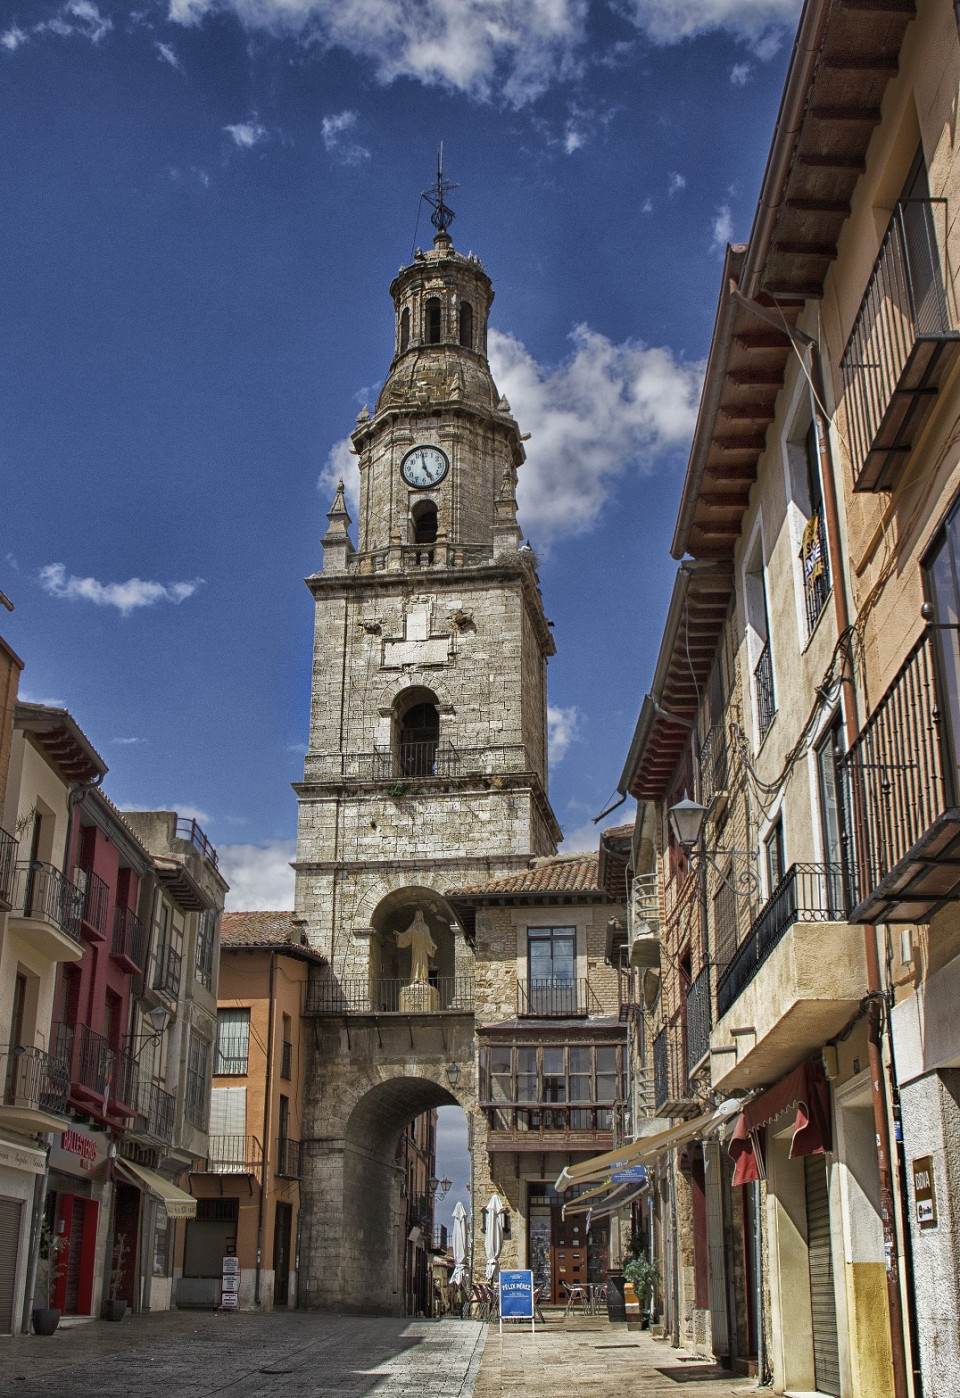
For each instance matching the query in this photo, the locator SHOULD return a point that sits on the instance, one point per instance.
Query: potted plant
(643, 1276)
(51, 1265)
(115, 1308)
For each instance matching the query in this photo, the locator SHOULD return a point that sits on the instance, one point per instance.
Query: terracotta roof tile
(566, 873)
(264, 929)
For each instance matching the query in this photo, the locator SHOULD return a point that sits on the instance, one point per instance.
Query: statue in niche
(422, 946)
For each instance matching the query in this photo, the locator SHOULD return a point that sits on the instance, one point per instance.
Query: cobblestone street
(166, 1355)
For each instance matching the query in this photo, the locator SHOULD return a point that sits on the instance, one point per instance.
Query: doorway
(282, 1232)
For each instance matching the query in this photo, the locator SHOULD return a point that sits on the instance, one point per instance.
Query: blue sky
(204, 204)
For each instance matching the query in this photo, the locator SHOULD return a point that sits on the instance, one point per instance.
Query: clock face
(424, 466)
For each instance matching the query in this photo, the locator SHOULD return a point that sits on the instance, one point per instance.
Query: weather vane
(442, 215)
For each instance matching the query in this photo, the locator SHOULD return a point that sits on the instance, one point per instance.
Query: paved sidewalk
(586, 1357)
(299, 1355)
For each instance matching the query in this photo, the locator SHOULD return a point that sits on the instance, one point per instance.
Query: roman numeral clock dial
(424, 466)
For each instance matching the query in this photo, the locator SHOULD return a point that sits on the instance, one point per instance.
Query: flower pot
(114, 1310)
(45, 1320)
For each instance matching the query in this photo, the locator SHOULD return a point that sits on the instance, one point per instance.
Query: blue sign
(516, 1295)
(633, 1174)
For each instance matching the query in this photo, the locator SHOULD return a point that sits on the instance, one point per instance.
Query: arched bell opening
(433, 317)
(417, 733)
(466, 324)
(404, 328)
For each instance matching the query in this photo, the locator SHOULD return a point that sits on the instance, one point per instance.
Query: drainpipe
(267, 1101)
(874, 983)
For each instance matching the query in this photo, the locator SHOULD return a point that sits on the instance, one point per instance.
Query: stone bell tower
(427, 760)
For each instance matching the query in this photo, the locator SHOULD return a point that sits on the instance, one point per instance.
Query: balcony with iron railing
(763, 691)
(155, 1113)
(698, 1020)
(439, 1238)
(557, 999)
(232, 1155)
(673, 1094)
(167, 972)
(794, 981)
(444, 995)
(128, 945)
(8, 865)
(288, 1158)
(96, 903)
(902, 346)
(190, 831)
(36, 1087)
(102, 1078)
(403, 763)
(899, 788)
(46, 909)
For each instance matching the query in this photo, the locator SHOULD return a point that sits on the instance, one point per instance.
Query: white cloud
(573, 138)
(605, 410)
(127, 742)
(762, 24)
(677, 182)
(647, 206)
(342, 465)
(126, 596)
(259, 876)
(586, 837)
(246, 134)
(26, 696)
(12, 38)
(739, 74)
(186, 812)
(493, 50)
(79, 17)
(722, 227)
(562, 729)
(336, 131)
(167, 54)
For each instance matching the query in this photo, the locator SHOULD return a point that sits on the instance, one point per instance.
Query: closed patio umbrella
(459, 1273)
(493, 1234)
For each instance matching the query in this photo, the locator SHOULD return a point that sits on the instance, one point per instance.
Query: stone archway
(373, 1209)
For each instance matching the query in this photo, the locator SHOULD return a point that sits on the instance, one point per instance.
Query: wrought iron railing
(763, 690)
(698, 1019)
(155, 1112)
(440, 1237)
(327, 996)
(35, 1079)
(286, 1059)
(806, 893)
(673, 1094)
(190, 831)
(897, 775)
(166, 976)
(383, 764)
(420, 1210)
(233, 1155)
(629, 991)
(96, 900)
(40, 891)
(714, 763)
(8, 864)
(904, 304)
(816, 567)
(550, 999)
(288, 1158)
(128, 937)
(110, 1073)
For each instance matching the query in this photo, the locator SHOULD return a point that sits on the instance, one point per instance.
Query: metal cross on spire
(442, 215)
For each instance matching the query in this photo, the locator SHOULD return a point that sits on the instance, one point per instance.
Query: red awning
(806, 1089)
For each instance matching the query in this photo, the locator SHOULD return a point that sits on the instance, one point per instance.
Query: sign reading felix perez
(924, 1193)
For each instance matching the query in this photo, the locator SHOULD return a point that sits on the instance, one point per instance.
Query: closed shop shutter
(11, 1217)
(826, 1356)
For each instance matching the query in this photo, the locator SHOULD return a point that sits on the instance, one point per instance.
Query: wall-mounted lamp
(440, 1188)
(453, 1074)
(158, 1018)
(687, 819)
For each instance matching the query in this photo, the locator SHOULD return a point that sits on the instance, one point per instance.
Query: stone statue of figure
(417, 937)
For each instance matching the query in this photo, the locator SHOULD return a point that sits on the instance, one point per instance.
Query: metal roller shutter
(826, 1356)
(11, 1216)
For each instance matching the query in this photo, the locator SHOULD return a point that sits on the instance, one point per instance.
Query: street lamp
(687, 819)
(453, 1074)
(440, 1188)
(158, 1019)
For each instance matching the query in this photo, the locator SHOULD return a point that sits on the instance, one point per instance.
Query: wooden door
(569, 1254)
(282, 1228)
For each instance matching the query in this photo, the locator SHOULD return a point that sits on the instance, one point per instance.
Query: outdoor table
(598, 1297)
